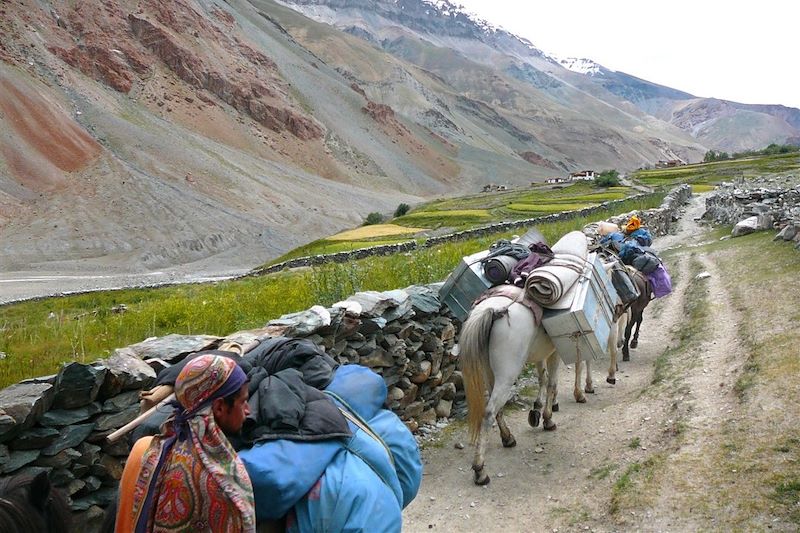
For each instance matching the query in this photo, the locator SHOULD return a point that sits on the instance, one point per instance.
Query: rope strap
(351, 415)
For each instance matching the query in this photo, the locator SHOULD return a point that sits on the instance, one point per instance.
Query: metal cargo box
(583, 329)
(464, 284)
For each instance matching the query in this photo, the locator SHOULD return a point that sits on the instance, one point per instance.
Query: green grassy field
(458, 214)
(40, 335)
(717, 171)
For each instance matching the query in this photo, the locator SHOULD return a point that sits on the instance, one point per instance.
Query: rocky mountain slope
(719, 124)
(141, 135)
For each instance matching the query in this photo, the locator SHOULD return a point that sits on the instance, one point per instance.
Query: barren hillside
(210, 136)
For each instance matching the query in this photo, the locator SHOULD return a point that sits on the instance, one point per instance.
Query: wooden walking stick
(133, 424)
(130, 426)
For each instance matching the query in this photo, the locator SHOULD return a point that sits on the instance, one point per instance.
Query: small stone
(458, 445)
(538, 449)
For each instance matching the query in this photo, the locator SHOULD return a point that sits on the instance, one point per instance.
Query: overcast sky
(735, 50)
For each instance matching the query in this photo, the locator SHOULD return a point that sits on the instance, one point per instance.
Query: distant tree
(607, 178)
(373, 218)
(401, 210)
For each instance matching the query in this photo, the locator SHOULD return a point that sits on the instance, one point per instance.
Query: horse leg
(535, 414)
(501, 392)
(635, 341)
(552, 390)
(589, 387)
(479, 476)
(626, 354)
(505, 433)
(613, 343)
(576, 389)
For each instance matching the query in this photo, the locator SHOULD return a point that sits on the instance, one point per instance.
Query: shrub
(373, 218)
(607, 178)
(401, 210)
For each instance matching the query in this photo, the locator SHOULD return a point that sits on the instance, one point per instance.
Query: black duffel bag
(623, 284)
(647, 262)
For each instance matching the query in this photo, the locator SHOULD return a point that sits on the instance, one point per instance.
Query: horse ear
(40, 490)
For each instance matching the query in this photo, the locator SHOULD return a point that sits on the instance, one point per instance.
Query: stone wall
(768, 203)
(59, 423)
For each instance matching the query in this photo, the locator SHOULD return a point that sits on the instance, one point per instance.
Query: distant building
(491, 187)
(583, 175)
(556, 180)
(670, 163)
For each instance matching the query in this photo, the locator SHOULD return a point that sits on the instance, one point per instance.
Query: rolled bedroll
(550, 285)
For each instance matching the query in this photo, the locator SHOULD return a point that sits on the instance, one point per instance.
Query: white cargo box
(464, 284)
(583, 329)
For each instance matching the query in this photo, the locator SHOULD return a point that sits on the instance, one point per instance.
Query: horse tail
(474, 355)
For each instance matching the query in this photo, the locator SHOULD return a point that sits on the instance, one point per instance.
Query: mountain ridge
(223, 134)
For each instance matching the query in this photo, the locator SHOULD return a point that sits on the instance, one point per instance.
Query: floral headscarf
(191, 478)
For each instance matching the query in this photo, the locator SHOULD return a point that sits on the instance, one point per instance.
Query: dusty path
(565, 480)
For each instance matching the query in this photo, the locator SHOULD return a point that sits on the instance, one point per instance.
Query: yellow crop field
(374, 230)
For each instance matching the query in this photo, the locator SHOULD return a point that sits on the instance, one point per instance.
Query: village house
(583, 175)
(557, 180)
(670, 163)
(491, 187)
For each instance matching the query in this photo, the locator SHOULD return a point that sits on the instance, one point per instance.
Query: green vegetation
(602, 472)
(83, 328)
(772, 149)
(607, 178)
(736, 480)
(636, 475)
(718, 171)
(373, 218)
(697, 316)
(401, 210)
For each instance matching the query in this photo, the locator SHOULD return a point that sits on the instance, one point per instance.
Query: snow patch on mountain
(581, 65)
(448, 9)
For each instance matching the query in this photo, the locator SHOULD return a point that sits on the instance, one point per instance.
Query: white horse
(498, 338)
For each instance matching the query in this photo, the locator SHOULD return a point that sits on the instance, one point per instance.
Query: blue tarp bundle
(642, 236)
(347, 484)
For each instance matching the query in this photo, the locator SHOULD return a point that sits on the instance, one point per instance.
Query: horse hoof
(510, 443)
(589, 390)
(626, 357)
(481, 479)
(582, 399)
(634, 344)
(551, 427)
(533, 418)
(613, 381)
(555, 407)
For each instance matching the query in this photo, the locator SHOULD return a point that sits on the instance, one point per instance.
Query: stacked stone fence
(59, 423)
(766, 203)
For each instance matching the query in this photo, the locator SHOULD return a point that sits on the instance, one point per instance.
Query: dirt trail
(564, 480)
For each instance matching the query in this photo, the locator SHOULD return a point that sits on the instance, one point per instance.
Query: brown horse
(637, 308)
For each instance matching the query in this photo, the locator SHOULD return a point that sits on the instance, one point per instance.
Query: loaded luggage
(480, 271)
(582, 330)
